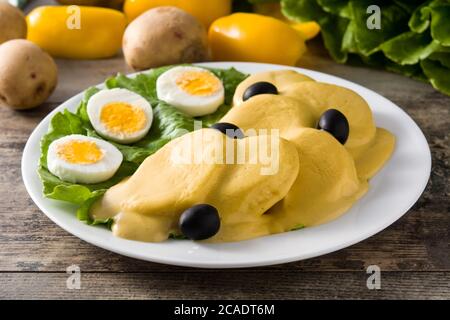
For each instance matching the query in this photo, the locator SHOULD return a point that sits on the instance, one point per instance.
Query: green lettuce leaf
(443, 58)
(438, 75)
(393, 21)
(440, 23)
(412, 32)
(82, 111)
(298, 227)
(83, 210)
(62, 124)
(303, 10)
(143, 84)
(338, 7)
(410, 47)
(333, 27)
(420, 19)
(168, 123)
(408, 5)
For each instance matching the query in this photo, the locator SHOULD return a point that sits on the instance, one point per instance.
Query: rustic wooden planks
(413, 253)
(226, 285)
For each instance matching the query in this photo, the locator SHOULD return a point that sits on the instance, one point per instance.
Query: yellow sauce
(318, 179)
(147, 206)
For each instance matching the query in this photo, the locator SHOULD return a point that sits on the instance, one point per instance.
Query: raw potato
(164, 36)
(12, 23)
(28, 75)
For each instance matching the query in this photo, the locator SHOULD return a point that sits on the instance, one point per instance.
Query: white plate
(392, 193)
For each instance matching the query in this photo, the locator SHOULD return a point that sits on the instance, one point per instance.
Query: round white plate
(392, 193)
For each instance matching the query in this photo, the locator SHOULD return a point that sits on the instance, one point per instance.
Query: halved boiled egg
(81, 159)
(120, 115)
(192, 90)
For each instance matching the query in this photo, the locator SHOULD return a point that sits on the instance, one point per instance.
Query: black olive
(200, 222)
(259, 88)
(334, 122)
(229, 129)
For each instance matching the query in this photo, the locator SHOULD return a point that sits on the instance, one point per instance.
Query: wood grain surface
(413, 253)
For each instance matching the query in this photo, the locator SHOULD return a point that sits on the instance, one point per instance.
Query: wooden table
(413, 253)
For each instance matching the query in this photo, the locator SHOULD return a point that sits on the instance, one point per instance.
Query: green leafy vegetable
(339, 7)
(168, 123)
(442, 57)
(393, 20)
(438, 75)
(298, 227)
(440, 23)
(409, 47)
(143, 84)
(333, 28)
(420, 19)
(83, 210)
(177, 236)
(413, 38)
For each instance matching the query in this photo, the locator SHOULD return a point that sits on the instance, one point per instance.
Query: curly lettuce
(414, 38)
(168, 123)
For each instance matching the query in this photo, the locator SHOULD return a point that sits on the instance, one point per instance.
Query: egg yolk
(121, 117)
(198, 83)
(80, 152)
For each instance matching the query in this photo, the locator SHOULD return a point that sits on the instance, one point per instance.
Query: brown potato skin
(164, 36)
(28, 75)
(12, 23)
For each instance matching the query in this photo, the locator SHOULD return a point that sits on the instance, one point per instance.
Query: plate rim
(226, 264)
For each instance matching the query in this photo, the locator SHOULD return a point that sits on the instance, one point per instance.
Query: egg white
(96, 172)
(105, 97)
(195, 106)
